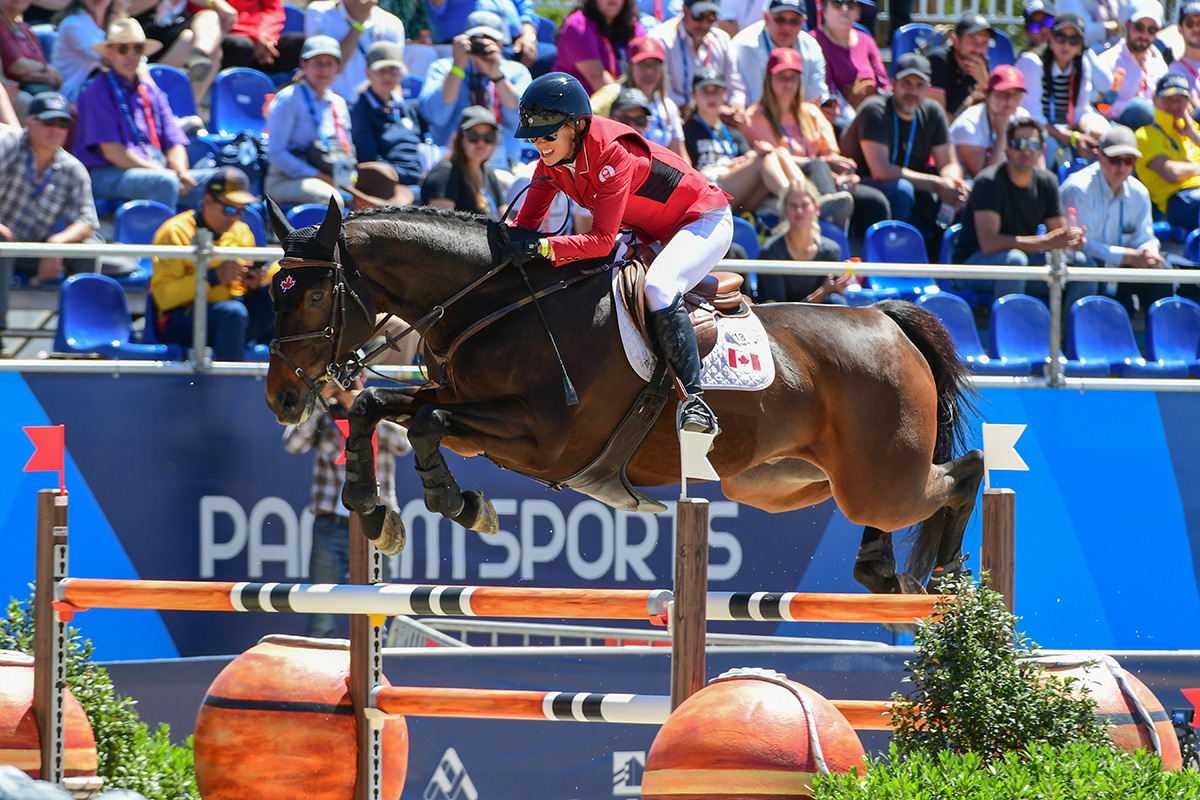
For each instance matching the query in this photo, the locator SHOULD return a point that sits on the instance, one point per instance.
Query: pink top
(845, 65)
(22, 44)
(758, 129)
(580, 40)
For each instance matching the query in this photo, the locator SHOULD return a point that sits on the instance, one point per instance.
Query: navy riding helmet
(551, 101)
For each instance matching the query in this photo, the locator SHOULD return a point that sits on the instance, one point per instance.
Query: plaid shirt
(31, 214)
(321, 430)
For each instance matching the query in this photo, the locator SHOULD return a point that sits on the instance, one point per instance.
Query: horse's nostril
(291, 399)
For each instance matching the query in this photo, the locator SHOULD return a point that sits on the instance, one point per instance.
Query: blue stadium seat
(293, 19)
(831, 230)
(237, 102)
(546, 31)
(1000, 50)
(1173, 333)
(1020, 330)
(745, 235)
(177, 86)
(1067, 167)
(93, 317)
(959, 320)
(136, 222)
(906, 39)
(255, 221)
(412, 85)
(48, 38)
(949, 240)
(1098, 330)
(306, 214)
(1191, 247)
(892, 241)
(202, 153)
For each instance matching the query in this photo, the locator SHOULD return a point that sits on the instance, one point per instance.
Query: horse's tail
(955, 408)
(955, 397)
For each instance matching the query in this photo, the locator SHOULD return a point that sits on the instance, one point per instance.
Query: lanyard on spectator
(394, 109)
(616, 54)
(661, 120)
(1070, 101)
(912, 135)
(38, 187)
(124, 106)
(726, 147)
(337, 123)
(1170, 141)
(991, 132)
(658, 10)
(687, 67)
(766, 43)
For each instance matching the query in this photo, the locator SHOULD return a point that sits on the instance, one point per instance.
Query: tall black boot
(677, 343)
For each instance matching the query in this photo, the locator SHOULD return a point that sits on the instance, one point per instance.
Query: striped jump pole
(389, 599)
(633, 709)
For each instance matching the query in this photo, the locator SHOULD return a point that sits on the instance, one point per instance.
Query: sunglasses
(123, 49)
(56, 122)
(708, 17)
(1043, 24)
(228, 210)
(1150, 29)
(552, 137)
(1063, 38)
(1122, 161)
(1032, 144)
(636, 121)
(1191, 22)
(475, 137)
(840, 4)
(788, 20)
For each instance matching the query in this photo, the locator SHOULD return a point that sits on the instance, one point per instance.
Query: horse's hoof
(478, 514)
(909, 584)
(392, 537)
(360, 498)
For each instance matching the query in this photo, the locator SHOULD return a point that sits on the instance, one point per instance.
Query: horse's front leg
(360, 493)
(484, 426)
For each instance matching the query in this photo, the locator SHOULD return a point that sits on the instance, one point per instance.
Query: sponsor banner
(186, 478)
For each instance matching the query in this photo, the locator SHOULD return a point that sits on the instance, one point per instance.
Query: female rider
(624, 180)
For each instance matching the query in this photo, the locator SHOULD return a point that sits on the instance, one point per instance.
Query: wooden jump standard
(635, 709)
(482, 601)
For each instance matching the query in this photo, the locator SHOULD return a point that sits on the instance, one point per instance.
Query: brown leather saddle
(719, 294)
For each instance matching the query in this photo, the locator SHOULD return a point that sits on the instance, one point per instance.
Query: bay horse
(868, 405)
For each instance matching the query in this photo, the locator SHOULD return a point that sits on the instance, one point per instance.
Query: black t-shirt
(1021, 209)
(877, 122)
(446, 180)
(945, 74)
(792, 288)
(709, 146)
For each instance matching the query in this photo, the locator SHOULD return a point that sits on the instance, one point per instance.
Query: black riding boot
(677, 343)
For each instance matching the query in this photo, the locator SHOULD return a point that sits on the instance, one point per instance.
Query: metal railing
(202, 253)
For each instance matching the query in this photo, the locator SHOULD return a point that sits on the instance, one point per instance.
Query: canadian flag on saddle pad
(743, 360)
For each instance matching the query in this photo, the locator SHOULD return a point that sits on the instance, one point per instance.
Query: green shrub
(1079, 771)
(130, 755)
(973, 693)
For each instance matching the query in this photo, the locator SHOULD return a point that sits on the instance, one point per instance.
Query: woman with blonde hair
(799, 239)
(465, 180)
(803, 139)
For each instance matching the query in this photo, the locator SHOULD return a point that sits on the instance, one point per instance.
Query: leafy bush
(130, 755)
(972, 692)
(1039, 772)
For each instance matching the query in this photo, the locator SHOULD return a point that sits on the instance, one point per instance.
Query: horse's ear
(331, 228)
(278, 221)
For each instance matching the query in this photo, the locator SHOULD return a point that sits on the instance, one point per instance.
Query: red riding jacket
(623, 180)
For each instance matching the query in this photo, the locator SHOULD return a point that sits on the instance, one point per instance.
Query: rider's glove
(523, 247)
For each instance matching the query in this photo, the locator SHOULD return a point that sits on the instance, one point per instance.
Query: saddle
(719, 294)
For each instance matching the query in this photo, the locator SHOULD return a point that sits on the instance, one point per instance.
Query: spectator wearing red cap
(979, 133)
(239, 305)
(782, 25)
(646, 72)
(784, 122)
(594, 41)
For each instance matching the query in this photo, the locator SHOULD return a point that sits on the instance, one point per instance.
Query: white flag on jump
(1000, 448)
(693, 457)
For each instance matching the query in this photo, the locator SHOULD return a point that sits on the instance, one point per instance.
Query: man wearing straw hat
(128, 138)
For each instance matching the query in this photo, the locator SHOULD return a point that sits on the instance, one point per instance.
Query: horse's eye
(316, 298)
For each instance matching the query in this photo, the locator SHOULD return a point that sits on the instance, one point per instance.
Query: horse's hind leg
(967, 473)
(875, 566)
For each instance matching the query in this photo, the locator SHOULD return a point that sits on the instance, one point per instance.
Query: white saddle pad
(741, 358)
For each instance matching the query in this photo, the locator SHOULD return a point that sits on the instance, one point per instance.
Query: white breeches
(689, 255)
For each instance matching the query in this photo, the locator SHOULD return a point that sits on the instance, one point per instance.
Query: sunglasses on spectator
(1122, 161)
(1063, 38)
(56, 122)
(1150, 29)
(475, 137)
(1043, 24)
(1033, 144)
(1191, 22)
(123, 49)
(839, 4)
(633, 121)
(708, 16)
(792, 20)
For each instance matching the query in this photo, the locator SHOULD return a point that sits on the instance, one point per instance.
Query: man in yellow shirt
(1170, 160)
(239, 305)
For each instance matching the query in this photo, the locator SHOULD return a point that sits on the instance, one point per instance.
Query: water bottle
(1071, 223)
(945, 215)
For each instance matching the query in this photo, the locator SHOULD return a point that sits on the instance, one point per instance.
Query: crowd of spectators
(799, 122)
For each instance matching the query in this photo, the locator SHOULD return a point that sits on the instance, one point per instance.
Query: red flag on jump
(49, 443)
(344, 427)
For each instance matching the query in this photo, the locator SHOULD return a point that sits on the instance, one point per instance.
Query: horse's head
(320, 315)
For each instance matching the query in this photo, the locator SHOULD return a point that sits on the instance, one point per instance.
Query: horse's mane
(429, 211)
(457, 233)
